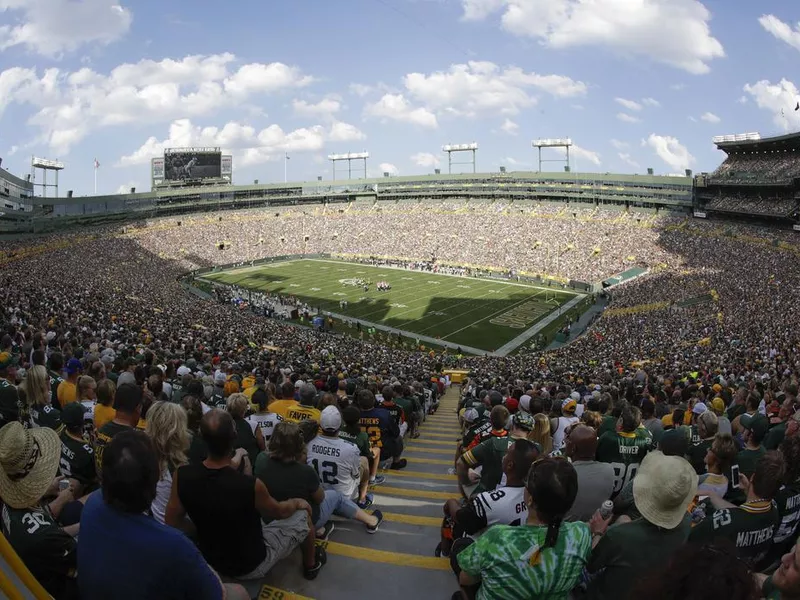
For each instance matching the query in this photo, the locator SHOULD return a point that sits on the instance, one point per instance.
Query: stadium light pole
(450, 148)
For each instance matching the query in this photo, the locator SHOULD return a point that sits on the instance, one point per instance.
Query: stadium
(601, 317)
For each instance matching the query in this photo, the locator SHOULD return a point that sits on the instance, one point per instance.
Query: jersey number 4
(329, 471)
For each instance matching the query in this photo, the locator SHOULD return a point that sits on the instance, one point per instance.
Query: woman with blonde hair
(104, 409)
(34, 395)
(541, 433)
(168, 428)
(248, 435)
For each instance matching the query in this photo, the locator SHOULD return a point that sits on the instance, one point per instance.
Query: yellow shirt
(102, 415)
(67, 393)
(280, 406)
(248, 382)
(295, 412)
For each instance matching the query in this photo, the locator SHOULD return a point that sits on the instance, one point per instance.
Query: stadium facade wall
(585, 189)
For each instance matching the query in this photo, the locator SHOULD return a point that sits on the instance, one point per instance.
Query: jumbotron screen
(179, 166)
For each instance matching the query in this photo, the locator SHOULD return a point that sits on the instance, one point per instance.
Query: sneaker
(379, 479)
(329, 527)
(321, 557)
(400, 464)
(366, 503)
(379, 515)
(438, 552)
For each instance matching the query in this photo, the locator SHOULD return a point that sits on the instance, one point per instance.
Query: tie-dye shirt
(501, 557)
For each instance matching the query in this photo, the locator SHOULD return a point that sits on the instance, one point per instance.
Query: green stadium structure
(37, 214)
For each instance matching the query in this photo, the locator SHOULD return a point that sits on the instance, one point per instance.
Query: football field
(479, 313)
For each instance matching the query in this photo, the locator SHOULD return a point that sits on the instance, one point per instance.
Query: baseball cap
(718, 406)
(331, 419)
(72, 414)
(73, 366)
(755, 423)
(512, 404)
(183, 370)
(523, 421)
(568, 405)
(7, 360)
(219, 377)
(699, 408)
(525, 403)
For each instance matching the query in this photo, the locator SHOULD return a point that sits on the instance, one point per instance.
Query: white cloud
(326, 107)
(651, 102)
(584, 154)
(51, 27)
(388, 168)
(671, 151)
(619, 145)
(626, 118)
(482, 87)
(247, 145)
(777, 98)
(425, 159)
(510, 127)
(710, 117)
(626, 158)
(629, 104)
(359, 89)
(742, 100)
(675, 32)
(782, 31)
(72, 104)
(396, 107)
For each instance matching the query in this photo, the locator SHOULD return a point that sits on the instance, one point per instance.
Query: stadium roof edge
(789, 141)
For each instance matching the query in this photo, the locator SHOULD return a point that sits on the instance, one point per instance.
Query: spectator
(168, 430)
(114, 528)
(9, 396)
(784, 583)
(662, 490)
(128, 406)
(351, 432)
(305, 409)
(752, 525)
(754, 430)
(264, 418)
(226, 506)
(28, 465)
(68, 389)
(707, 425)
(104, 409)
(595, 479)
(719, 458)
(788, 502)
(248, 436)
(77, 454)
(381, 429)
(625, 449)
(554, 553)
(34, 392)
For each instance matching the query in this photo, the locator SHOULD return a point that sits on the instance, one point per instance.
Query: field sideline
(482, 313)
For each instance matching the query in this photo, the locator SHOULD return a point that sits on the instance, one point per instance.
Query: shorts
(280, 539)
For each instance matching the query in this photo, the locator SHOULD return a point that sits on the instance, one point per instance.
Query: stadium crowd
(177, 419)
(744, 167)
(747, 204)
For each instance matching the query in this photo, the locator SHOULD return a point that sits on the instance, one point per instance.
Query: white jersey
(266, 422)
(502, 506)
(561, 431)
(337, 463)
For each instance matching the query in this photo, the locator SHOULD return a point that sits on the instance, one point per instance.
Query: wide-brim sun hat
(28, 463)
(663, 488)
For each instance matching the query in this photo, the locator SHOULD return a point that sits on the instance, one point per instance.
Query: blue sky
(634, 83)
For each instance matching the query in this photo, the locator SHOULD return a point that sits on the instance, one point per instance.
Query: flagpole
(285, 162)
(95, 179)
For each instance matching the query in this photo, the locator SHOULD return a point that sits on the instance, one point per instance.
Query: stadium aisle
(398, 561)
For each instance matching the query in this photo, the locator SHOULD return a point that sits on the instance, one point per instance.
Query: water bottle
(606, 509)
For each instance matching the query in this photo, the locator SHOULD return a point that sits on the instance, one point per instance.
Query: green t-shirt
(55, 381)
(354, 435)
(625, 452)
(628, 550)
(747, 460)
(286, 480)
(46, 416)
(697, 454)
(609, 424)
(750, 526)
(489, 455)
(77, 459)
(501, 558)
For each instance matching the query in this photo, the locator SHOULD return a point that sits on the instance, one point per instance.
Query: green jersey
(489, 456)
(625, 452)
(55, 381)
(77, 459)
(481, 430)
(775, 436)
(354, 435)
(697, 454)
(788, 501)
(103, 439)
(502, 558)
(47, 550)
(750, 526)
(609, 424)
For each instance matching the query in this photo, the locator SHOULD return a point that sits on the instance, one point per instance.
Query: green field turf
(481, 313)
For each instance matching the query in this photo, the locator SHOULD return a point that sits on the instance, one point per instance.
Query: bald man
(595, 479)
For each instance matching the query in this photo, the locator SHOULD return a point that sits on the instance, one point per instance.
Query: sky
(633, 83)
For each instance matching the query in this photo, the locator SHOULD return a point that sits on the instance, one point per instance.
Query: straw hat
(28, 463)
(663, 488)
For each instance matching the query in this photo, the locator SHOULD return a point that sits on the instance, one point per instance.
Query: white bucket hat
(663, 488)
(28, 463)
